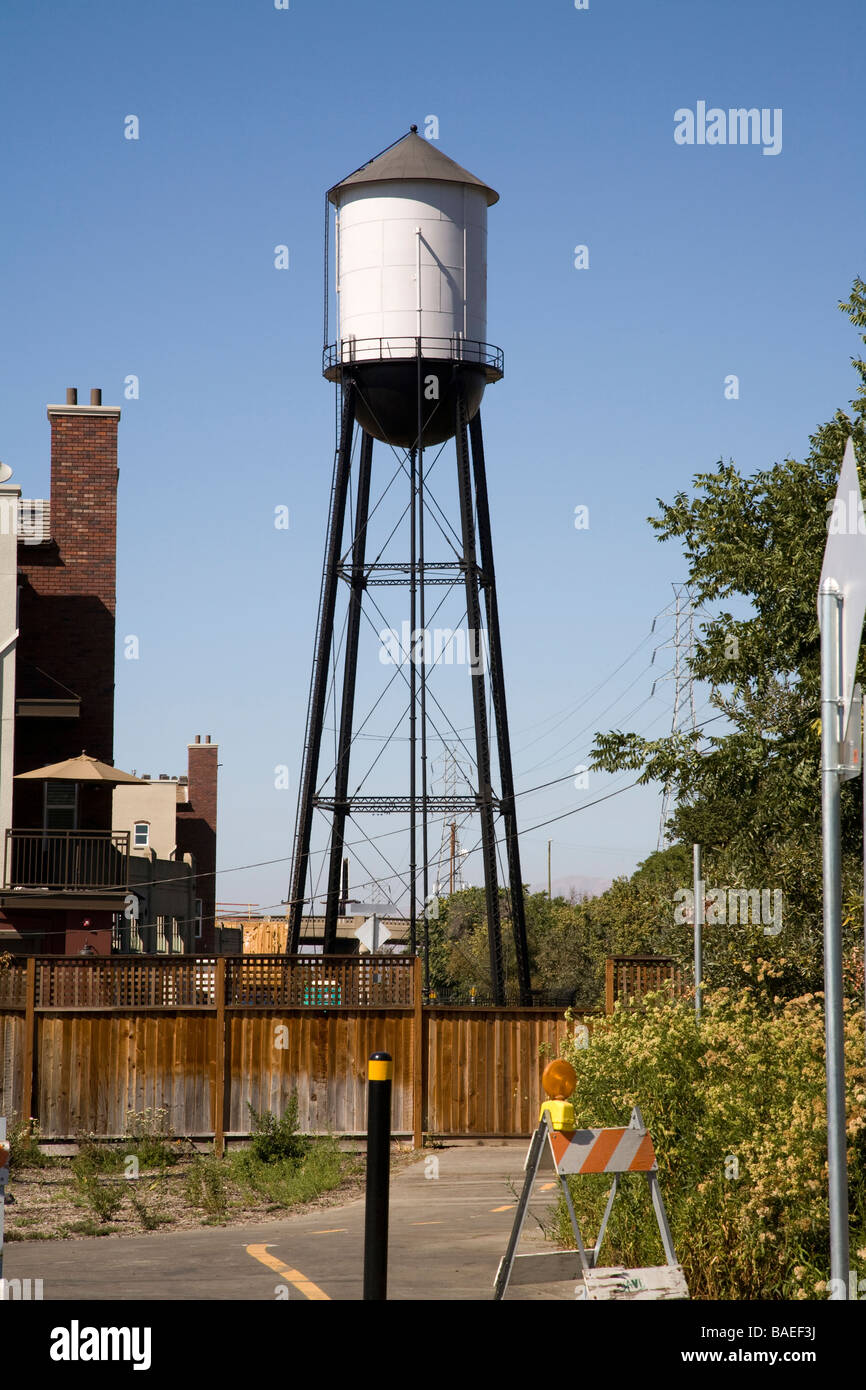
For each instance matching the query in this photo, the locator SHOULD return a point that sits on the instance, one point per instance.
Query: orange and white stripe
(627, 1150)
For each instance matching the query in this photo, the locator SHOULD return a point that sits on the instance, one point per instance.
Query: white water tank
(411, 208)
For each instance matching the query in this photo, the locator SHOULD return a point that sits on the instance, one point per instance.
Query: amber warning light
(558, 1081)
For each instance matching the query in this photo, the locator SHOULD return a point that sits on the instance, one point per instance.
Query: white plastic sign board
(845, 562)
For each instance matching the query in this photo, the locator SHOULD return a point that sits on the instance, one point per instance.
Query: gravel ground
(48, 1204)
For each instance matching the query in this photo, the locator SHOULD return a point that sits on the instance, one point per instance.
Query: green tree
(750, 795)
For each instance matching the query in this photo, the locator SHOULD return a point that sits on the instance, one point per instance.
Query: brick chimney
(197, 828)
(67, 598)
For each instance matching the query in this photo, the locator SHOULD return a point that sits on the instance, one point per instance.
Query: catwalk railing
(85, 1043)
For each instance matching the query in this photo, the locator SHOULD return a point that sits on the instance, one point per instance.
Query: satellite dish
(5, 472)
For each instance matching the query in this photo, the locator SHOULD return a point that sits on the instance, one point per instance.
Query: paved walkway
(447, 1236)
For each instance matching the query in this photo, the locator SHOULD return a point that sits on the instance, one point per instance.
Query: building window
(61, 805)
(141, 838)
(198, 904)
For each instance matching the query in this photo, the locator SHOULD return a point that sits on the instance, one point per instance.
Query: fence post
(219, 1141)
(29, 1050)
(608, 985)
(419, 1100)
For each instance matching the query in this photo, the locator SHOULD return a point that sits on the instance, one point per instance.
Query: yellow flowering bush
(737, 1111)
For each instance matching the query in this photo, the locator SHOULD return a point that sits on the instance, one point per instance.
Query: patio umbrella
(80, 769)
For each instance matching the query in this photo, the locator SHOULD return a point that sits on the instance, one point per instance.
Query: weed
(205, 1187)
(84, 1228)
(149, 1219)
(94, 1157)
(150, 1134)
(104, 1198)
(24, 1146)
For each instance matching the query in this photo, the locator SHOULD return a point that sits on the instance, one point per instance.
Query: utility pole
(549, 883)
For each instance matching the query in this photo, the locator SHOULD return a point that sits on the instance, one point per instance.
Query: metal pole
(549, 887)
(830, 601)
(4, 1178)
(413, 699)
(422, 614)
(379, 1073)
(698, 891)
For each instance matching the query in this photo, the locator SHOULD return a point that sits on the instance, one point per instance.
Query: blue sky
(155, 258)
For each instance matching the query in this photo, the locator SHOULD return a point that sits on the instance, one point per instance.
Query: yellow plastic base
(561, 1114)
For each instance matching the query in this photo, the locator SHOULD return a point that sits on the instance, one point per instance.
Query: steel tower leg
(350, 671)
(479, 710)
(500, 711)
(319, 682)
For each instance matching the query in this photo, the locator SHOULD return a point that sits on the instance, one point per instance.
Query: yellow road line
(292, 1276)
(330, 1231)
(546, 1186)
(425, 1223)
(508, 1207)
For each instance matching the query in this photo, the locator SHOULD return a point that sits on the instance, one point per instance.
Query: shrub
(277, 1140)
(287, 1182)
(737, 1112)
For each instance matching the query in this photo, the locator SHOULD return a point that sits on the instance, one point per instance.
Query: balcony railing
(64, 861)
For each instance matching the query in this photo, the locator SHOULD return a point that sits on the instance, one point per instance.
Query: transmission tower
(449, 869)
(683, 718)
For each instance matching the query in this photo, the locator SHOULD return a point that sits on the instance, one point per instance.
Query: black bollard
(379, 1071)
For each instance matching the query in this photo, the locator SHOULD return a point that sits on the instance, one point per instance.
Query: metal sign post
(841, 608)
(4, 1178)
(830, 601)
(698, 894)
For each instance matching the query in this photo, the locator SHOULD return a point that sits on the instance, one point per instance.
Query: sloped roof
(412, 158)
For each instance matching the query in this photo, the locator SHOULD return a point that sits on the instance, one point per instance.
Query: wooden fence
(85, 1043)
(631, 977)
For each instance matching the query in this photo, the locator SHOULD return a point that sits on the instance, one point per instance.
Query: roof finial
(413, 129)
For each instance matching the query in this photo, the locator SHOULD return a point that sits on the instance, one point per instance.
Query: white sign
(845, 562)
(373, 934)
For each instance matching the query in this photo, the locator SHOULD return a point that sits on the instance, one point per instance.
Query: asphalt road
(450, 1219)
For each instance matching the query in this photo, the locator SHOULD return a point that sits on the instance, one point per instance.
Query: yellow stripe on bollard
(380, 1071)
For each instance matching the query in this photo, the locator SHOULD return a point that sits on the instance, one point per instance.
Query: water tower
(411, 363)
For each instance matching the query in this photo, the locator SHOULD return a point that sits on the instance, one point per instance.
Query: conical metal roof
(412, 158)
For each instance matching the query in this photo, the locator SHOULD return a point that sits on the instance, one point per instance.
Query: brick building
(66, 870)
(174, 818)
